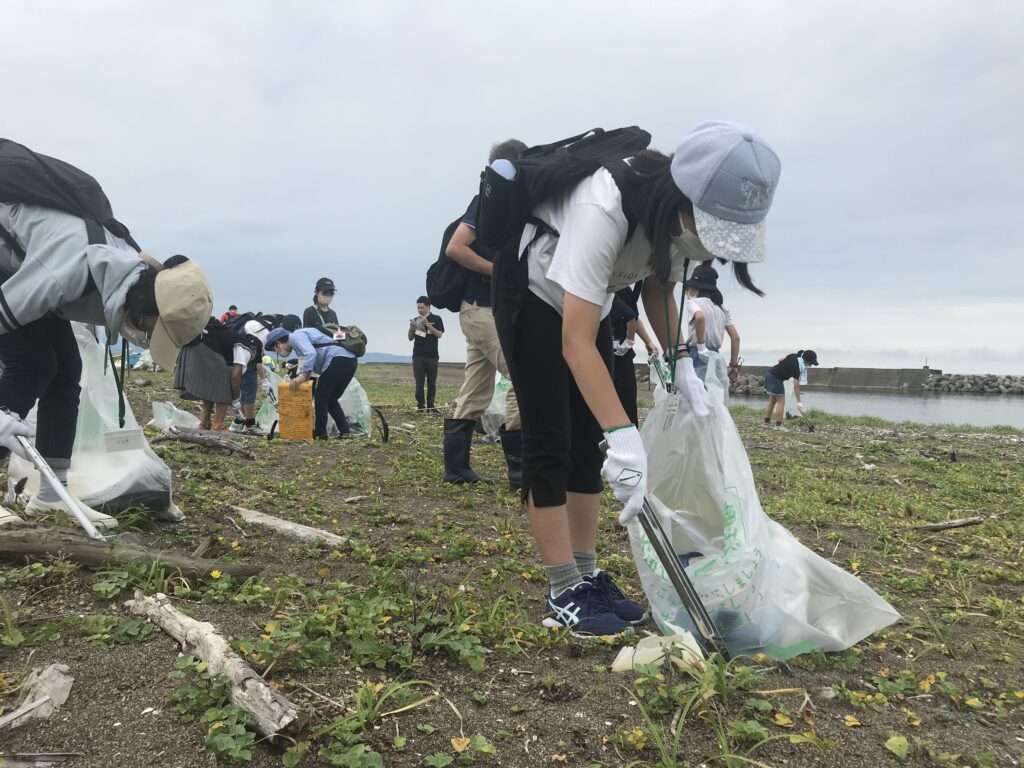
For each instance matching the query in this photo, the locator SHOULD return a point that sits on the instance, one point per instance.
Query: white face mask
(688, 246)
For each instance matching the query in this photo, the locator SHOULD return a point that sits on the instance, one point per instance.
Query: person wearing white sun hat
(52, 274)
(642, 219)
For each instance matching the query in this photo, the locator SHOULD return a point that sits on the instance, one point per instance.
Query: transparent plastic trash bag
(494, 416)
(356, 405)
(765, 591)
(110, 481)
(789, 404)
(167, 415)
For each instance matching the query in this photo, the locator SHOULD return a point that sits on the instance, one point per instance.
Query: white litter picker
(73, 504)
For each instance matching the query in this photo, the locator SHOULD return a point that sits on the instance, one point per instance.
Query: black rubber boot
(512, 444)
(458, 439)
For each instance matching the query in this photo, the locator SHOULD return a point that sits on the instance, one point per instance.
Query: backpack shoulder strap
(618, 169)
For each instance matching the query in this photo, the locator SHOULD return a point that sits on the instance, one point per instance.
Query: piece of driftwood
(951, 524)
(34, 759)
(205, 439)
(37, 541)
(272, 713)
(204, 545)
(289, 529)
(44, 691)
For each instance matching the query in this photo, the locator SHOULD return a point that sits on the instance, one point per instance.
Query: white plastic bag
(494, 416)
(791, 411)
(111, 481)
(356, 405)
(167, 415)
(766, 591)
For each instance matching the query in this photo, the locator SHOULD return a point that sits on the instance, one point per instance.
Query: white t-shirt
(257, 329)
(590, 258)
(716, 319)
(241, 355)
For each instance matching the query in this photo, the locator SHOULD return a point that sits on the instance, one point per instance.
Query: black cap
(325, 285)
(704, 277)
(810, 357)
(291, 323)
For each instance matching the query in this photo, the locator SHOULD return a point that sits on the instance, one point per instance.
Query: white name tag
(420, 333)
(131, 439)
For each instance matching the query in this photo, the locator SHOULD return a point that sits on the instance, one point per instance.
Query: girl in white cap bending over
(52, 275)
(707, 201)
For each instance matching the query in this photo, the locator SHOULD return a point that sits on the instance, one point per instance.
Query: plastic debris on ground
(109, 481)
(167, 415)
(765, 590)
(682, 648)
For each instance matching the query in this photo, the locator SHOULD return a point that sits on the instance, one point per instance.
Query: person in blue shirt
(333, 364)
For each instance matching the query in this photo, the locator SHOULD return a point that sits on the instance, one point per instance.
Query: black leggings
(561, 437)
(330, 386)
(41, 362)
(425, 368)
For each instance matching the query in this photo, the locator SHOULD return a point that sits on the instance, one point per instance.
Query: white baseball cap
(730, 174)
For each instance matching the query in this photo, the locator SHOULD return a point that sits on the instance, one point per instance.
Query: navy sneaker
(585, 611)
(621, 605)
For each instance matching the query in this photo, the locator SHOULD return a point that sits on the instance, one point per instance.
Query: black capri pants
(561, 437)
(41, 363)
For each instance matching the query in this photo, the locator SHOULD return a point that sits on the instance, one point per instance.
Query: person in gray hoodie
(51, 275)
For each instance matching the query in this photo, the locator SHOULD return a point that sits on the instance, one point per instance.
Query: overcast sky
(276, 142)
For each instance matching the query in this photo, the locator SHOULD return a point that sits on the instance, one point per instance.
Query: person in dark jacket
(320, 314)
(52, 275)
(794, 367)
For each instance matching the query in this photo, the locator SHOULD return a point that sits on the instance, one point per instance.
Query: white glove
(690, 386)
(702, 349)
(10, 428)
(236, 409)
(621, 348)
(267, 386)
(800, 406)
(625, 469)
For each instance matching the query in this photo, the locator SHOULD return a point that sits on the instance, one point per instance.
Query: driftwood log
(37, 541)
(272, 713)
(205, 439)
(289, 529)
(45, 690)
(951, 524)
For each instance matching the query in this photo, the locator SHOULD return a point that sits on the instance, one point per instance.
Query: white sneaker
(254, 429)
(238, 427)
(100, 520)
(8, 518)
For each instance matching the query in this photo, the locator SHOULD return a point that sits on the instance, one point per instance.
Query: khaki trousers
(483, 358)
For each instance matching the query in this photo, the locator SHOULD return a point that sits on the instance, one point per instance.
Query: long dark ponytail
(653, 199)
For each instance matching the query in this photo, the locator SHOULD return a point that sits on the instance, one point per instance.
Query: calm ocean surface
(923, 407)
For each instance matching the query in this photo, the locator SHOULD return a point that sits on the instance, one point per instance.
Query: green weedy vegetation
(419, 642)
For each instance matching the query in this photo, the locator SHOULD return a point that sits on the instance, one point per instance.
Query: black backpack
(446, 280)
(546, 170)
(237, 322)
(506, 206)
(33, 179)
